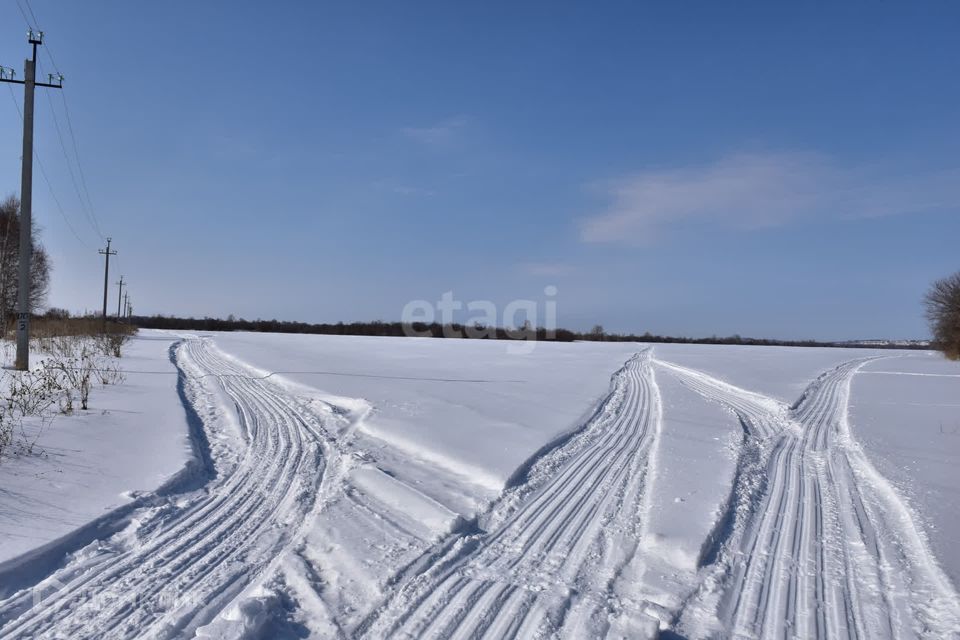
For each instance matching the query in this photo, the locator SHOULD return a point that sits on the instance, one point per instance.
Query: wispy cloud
(751, 191)
(440, 133)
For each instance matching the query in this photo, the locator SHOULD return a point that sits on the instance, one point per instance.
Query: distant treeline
(436, 330)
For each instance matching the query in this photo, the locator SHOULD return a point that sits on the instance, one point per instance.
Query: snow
(779, 372)
(422, 515)
(319, 486)
(905, 411)
(133, 439)
(476, 408)
(695, 463)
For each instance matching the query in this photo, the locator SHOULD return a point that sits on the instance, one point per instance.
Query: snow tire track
(545, 563)
(189, 556)
(817, 543)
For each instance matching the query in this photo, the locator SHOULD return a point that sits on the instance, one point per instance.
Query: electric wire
(86, 204)
(46, 179)
(66, 156)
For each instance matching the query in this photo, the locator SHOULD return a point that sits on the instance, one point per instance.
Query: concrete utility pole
(106, 274)
(119, 296)
(29, 82)
(126, 304)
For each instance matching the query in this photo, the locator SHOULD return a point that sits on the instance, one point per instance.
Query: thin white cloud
(440, 133)
(751, 191)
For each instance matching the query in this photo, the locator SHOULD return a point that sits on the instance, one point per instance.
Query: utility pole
(126, 304)
(119, 296)
(106, 275)
(29, 82)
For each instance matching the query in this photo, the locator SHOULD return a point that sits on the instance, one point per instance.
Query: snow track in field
(817, 543)
(189, 555)
(552, 546)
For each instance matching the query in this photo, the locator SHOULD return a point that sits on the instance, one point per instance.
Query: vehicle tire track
(820, 545)
(543, 553)
(193, 553)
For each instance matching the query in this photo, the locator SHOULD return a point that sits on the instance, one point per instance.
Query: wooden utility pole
(29, 82)
(119, 296)
(106, 274)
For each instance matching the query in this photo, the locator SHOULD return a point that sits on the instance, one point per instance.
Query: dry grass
(86, 326)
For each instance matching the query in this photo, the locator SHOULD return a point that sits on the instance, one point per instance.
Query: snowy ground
(286, 486)
(133, 439)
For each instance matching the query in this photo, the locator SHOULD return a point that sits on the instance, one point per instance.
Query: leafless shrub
(6, 431)
(108, 372)
(33, 393)
(78, 353)
(76, 361)
(110, 344)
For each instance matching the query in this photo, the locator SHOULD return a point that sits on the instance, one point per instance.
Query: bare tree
(943, 313)
(10, 261)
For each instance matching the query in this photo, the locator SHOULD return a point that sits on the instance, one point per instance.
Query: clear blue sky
(769, 169)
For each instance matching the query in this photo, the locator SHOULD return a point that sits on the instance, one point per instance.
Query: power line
(43, 172)
(32, 15)
(25, 18)
(73, 177)
(76, 154)
(87, 205)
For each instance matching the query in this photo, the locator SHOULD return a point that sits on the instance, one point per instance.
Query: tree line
(437, 330)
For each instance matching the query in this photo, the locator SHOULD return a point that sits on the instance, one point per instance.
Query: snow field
(367, 487)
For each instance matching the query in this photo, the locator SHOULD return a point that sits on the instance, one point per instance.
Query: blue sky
(683, 168)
